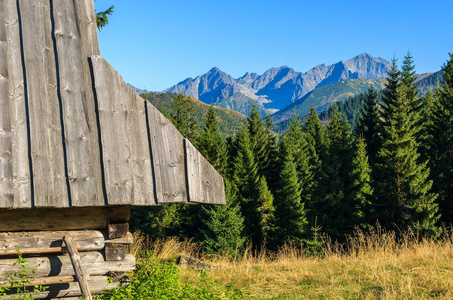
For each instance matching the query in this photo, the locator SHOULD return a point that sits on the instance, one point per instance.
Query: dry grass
(371, 266)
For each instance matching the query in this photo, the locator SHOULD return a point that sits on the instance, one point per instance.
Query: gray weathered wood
(61, 219)
(78, 269)
(86, 23)
(96, 284)
(127, 160)
(86, 20)
(60, 265)
(17, 110)
(168, 158)
(115, 252)
(112, 107)
(6, 179)
(204, 182)
(35, 251)
(72, 90)
(46, 280)
(117, 230)
(47, 153)
(85, 240)
(128, 239)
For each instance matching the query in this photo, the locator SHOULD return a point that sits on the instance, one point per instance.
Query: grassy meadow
(378, 265)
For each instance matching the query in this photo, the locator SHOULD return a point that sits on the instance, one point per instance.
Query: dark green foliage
(183, 117)
(266, 208)
(314, 135)
(157, 221)
(102, 18)
(272, 165)
(368, 126)
(403, 197)
(258, 139)
(300, 151)
(211, 144)
(246, 178)
(360, 190)
(333, 204)
(289, 222)
(440, 143)
(224, 225)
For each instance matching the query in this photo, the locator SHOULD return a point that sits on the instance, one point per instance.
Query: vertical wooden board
(167, 148)
(17, 108)
(141, 157)
(86, 23)
(86, 20)
(78, 137)
(112, 107)
(204, 182)
(47, 152)
(6, 180)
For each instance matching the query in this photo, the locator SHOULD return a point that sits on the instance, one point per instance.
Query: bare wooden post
(75, 259)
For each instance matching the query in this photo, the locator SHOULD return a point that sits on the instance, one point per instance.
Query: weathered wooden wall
(72, 132)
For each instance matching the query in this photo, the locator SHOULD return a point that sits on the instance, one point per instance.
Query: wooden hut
(78, 148)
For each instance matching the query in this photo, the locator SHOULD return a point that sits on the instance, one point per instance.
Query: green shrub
(154, 279)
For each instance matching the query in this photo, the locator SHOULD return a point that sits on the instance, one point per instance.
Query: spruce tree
(440, 138)
(368, 125)
(403, 197)
(299, 149)
(223, 226)
(289, 222)
(183, 117)
(333, 205)
(314, 137)
(258, 139)
(272, 168)
(360, 190)
(211, 144)
(246, 179)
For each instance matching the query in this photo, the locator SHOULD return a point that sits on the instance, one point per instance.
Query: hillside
(327, 95)
(276, 88)
(229, 120)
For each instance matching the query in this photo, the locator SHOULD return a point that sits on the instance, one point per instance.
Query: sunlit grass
(378, 265)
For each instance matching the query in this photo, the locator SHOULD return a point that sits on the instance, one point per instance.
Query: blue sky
(156, 44)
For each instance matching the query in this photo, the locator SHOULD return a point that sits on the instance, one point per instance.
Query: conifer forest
(389, 165)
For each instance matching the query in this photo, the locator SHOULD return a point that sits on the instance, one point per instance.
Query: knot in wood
(207, 183)
(172, 164)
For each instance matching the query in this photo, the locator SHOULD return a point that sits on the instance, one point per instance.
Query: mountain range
(276, 88)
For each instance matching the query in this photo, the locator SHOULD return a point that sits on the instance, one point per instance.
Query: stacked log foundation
(101, 248)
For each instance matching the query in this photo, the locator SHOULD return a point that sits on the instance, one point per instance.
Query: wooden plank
(115, 252)
(204, 182)
(60, 265)
(112, 107)
(128, 239)
(86, 20)
(96, 284)
(6, 178)
(46, 280)
(49, 176)
(139, 147)
(167, 150)
(72, 90)
(17, 110)
(40, 251)
(84, 240)
(78, 269)
(61, 219)
(124, 136)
